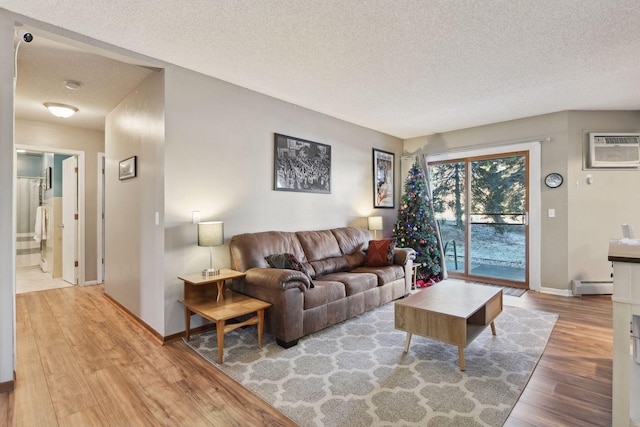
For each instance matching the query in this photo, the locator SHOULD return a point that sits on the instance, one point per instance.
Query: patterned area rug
(356, 374)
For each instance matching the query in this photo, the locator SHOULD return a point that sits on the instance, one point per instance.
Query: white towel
(45, 223)
(42, 224)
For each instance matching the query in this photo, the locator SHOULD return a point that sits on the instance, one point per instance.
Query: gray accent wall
(206, 145)
(134, 241)
(219, 153)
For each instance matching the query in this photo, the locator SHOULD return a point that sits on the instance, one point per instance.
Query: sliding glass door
(481, 205)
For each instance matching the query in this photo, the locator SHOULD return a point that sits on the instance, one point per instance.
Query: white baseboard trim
(585, 287)
(90, 282)
(555, 291)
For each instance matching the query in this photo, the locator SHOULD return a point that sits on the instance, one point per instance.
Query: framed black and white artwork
(301, 165)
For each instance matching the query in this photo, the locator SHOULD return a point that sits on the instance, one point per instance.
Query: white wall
(597, 210)
(7, 217)
(134, 242)
(91, 142)
(219, 160)
(574, 243)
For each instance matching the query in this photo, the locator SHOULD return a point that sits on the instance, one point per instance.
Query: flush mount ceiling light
(60, 110)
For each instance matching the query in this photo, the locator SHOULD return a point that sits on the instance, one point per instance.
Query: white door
(69, 219)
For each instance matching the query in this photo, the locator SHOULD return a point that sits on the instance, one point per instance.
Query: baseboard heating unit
(586, 287)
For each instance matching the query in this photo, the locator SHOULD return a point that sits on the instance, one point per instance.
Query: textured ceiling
(406, 68)
(43, 67)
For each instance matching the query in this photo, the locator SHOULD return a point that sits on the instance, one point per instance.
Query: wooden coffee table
(451, 312)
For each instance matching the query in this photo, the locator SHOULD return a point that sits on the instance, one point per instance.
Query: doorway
(481, 205)
(42, 258)
(534, 179)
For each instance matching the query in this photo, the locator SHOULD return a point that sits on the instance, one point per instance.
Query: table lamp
(210, 234)
(375, 224)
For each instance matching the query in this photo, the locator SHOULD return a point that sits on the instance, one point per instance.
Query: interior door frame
(100, 214)
(535, 188)
(80, 243)
(69, 268)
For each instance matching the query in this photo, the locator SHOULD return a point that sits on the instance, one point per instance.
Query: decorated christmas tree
(416, 226)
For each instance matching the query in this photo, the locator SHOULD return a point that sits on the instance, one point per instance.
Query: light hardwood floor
(82, 362)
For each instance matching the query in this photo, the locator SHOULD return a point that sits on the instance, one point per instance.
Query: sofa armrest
(284, 290)
(277, 279)
(403, 255)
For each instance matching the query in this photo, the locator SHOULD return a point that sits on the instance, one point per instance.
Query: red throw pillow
(380, 252)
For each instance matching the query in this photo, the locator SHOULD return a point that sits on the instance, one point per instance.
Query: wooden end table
(198, 299)
(197, 285)
(449, 311)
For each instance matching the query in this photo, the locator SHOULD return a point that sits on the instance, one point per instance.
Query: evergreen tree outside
(416, 226)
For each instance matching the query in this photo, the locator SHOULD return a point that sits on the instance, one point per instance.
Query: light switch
(157, 218)
(551, 213)
(195, 217)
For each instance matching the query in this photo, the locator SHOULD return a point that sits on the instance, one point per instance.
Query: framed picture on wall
(383, 182)
(301, 165)
(128, 168)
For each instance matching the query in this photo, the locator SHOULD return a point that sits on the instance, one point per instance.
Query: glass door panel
(498, 218)
(448, 183)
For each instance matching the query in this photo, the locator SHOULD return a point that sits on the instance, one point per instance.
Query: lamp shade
(210, 233)
(374, 223)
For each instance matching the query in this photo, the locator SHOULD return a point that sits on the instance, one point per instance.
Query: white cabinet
(625, 255)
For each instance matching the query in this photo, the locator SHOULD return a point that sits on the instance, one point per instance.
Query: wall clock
(553, 180)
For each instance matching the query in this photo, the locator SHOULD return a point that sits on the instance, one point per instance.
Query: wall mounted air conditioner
(614, 150)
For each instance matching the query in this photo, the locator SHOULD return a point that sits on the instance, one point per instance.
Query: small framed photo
(301, 165)
(128, 168)
(383, 183)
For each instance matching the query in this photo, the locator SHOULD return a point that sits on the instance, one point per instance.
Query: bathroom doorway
(40, 244)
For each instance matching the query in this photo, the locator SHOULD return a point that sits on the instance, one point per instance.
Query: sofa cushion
(330, 265)
(356, 259)
(319, 245)
(249, 250)
(323, 293)
(351, 239)
(380, 252)
(386, 274)
(354, 283)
